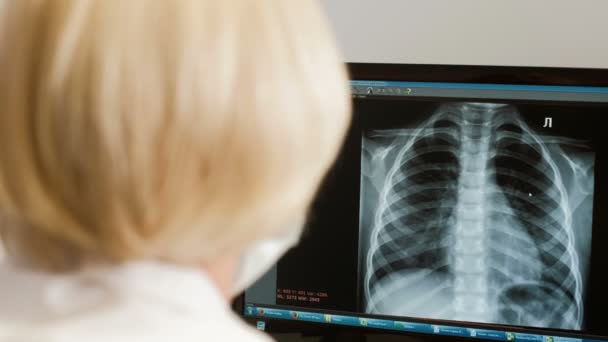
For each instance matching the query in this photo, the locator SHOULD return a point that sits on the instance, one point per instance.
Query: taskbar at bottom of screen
(403, 326)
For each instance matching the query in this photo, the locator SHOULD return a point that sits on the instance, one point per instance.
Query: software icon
(510, 336)
(328, 318)
(363, 322)
(261, 325)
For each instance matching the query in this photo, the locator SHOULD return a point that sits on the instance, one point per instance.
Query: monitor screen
(467, 209)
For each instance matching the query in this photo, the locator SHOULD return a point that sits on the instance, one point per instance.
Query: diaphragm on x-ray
(472, 215)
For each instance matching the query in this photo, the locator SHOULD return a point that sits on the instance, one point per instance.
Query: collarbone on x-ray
(473, 220)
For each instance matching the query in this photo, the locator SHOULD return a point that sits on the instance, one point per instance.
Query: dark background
(327, 258)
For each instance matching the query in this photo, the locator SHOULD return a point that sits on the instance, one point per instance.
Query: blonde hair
(170, 129)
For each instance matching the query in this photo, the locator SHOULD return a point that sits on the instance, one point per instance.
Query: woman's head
(178, 130)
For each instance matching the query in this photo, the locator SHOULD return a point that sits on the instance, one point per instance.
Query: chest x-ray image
(474, 215)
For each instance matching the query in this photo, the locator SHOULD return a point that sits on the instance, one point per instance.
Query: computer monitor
(467, 201)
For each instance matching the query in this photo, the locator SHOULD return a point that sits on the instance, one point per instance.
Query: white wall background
(491, 32)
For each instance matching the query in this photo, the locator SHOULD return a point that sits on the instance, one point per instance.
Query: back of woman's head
(176, 130)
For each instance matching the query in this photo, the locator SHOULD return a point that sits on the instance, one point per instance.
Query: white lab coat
(136, 302)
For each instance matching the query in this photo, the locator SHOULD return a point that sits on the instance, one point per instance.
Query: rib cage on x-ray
(473, 222)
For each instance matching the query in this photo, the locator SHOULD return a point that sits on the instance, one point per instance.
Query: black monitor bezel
(479, 74)
(444, 73)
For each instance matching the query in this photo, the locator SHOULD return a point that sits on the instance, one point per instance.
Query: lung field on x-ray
(473, 216)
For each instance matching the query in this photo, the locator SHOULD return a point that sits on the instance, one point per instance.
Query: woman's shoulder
(144, 302)
(98, 329)
(69, 332)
